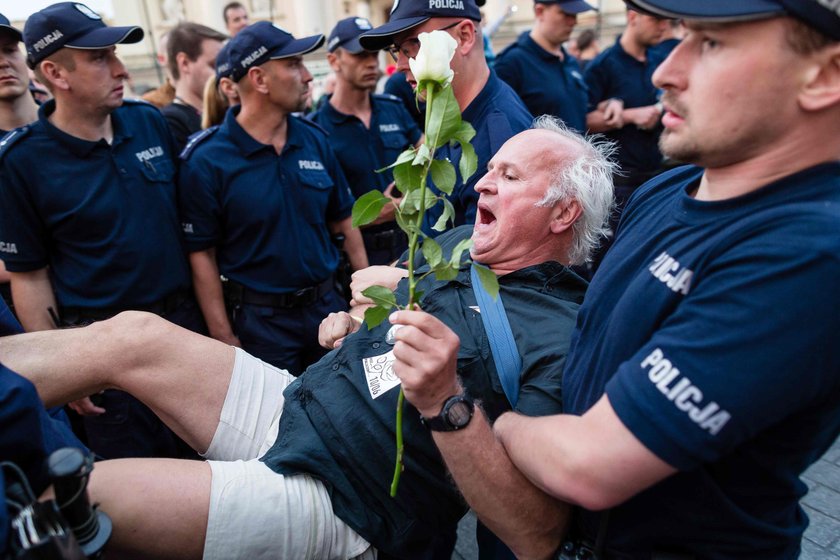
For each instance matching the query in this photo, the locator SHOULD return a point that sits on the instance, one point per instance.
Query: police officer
(486, 102)
(260, 196)
(366, 131)
(539, 69)
(17, 106)
(88, 219)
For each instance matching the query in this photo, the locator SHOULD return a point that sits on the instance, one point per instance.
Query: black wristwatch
(456, 413)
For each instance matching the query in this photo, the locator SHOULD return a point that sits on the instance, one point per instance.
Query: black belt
(384, 239)
(71, 315)
(237, 294)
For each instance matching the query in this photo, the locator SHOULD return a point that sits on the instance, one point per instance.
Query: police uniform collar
(79, 146)
(247, 144)
(486, 93)
(338, 117)
(528, 42)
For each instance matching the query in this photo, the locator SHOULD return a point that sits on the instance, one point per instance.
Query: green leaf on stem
(413, 198)
(465, 133)
(423, 155)
(381, 296)
(445, 271)
(375, 315)
(447, 215)
(367, 208)
(488, 279)
(458, 250)
(432, 252)
(444, 121)
(406, 156)
(443, 175)
(469, 161)
(406, 219)
(408, 177)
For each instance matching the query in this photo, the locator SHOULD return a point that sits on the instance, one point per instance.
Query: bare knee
(133, 339)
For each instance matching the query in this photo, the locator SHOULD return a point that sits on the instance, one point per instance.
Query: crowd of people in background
(189, 279)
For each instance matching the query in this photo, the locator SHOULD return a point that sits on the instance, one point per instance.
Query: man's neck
(186, 96)
(352, 101)
(633, 47)
(472, 79)
(547, 45)
(82, 122)
(798, 152)
(265, 123)
(18, 111)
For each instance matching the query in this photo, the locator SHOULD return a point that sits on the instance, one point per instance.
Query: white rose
(432, 61)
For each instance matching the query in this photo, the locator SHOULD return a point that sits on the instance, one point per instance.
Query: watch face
(459, 414)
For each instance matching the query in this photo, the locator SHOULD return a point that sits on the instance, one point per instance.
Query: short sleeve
(752, 342)
(341, 200)
(199, 204)
(23, 233)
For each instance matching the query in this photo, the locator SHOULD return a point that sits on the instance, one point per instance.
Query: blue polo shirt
(497, 114)
(614, 74)
(362, 150)
(712, 328)
(547, 84)
(266, 215)
(101, 216)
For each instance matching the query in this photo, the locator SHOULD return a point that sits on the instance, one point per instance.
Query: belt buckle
(306, 296)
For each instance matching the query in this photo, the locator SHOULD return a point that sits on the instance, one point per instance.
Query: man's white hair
(586, 178)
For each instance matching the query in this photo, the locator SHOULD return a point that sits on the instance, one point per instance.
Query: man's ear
(182, 61)
(55, 73)
(821, 87)
(466, 36)
(257, 79)
(539, 9)
(565, 214)
(332, 59)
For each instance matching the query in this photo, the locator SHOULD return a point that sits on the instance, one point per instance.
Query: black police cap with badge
(73, 25)
(6, 27)
(263, 41)
(346, 34)
(406, 14)
(822, 15)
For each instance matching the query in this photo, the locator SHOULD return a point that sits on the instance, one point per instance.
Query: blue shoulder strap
(502, 345)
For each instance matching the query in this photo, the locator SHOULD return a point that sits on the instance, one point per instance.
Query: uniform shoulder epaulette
(197, 139)
(11, 138)
(387, 97)
(311, 123)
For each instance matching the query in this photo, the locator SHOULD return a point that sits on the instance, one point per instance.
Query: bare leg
(182, 376)
(159, 506)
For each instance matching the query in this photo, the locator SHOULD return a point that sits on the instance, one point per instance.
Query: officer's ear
(539, 10)
(821, 84)
(332, 59)
(55, 69)
(465, 33)
(256, 80)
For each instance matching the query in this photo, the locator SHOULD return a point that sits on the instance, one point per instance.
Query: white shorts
(256, 513)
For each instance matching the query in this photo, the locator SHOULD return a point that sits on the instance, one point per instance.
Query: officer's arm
(4, 274)
(608, 115)
(528, 520)
(353, 244)
(592, 460)
(208, 292)
(33, 297)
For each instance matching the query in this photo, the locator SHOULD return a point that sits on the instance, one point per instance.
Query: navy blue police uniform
(497, 114)
(267, 217)
(103, 218)
(361, 151)
(546, 83)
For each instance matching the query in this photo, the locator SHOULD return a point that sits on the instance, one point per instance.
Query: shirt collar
(473, 110)
(247, 144)
(78, 146)
(528, 43)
